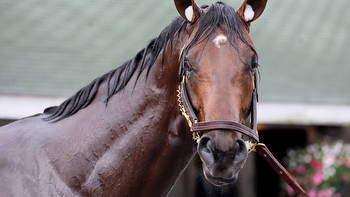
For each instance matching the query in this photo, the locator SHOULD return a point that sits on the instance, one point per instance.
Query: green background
(55, 47)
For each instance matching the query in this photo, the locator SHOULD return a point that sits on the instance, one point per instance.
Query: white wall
(15, 107)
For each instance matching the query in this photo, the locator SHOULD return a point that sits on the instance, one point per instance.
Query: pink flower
(348, 163)
(317, 178)
(312, 193)
(340, 160)
(290, 190)
(316, 164)
(326, 192)
(300, 169)
(329, 160)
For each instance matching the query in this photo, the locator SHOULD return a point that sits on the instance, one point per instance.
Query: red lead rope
(263, 151)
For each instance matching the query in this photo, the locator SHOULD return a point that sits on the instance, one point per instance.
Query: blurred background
(50, 49)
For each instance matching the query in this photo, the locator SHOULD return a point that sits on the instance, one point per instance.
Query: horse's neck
(136, 146)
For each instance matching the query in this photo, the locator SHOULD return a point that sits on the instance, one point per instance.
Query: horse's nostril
(205, 144)
(238, 147)
(204, 140)
(205, 150)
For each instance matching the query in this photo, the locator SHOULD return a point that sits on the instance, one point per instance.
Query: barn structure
(50, 49)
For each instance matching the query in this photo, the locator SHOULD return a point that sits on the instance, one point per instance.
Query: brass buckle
(196, 136)
(253, 146)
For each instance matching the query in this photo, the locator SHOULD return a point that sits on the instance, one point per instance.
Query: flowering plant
(322, 168)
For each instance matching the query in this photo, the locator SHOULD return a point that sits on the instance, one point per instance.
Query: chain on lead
(195, 135)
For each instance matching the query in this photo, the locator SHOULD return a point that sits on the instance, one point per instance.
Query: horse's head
(218, 65)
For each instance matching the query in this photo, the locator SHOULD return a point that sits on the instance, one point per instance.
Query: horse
(128, 132)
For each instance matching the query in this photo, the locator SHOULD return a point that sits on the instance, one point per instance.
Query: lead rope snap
(252, 146)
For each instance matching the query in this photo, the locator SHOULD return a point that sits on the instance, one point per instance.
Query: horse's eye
(254, 65)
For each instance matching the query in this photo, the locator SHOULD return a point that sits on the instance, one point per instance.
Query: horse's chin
(219, 181)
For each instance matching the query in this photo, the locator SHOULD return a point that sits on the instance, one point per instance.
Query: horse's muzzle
(220, 167)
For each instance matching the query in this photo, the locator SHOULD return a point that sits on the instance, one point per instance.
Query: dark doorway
(279, 141)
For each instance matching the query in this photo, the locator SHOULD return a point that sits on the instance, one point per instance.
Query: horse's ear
(250, 10)
(188, 9)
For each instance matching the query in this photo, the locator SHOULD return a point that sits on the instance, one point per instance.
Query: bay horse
(120, 137)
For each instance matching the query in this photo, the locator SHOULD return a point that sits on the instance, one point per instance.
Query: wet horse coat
(117, 137)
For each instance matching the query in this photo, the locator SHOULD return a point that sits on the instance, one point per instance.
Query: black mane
(219, 15)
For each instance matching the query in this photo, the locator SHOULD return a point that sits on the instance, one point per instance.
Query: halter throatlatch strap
(254, 118)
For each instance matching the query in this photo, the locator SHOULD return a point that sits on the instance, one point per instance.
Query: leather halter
(198, 128)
